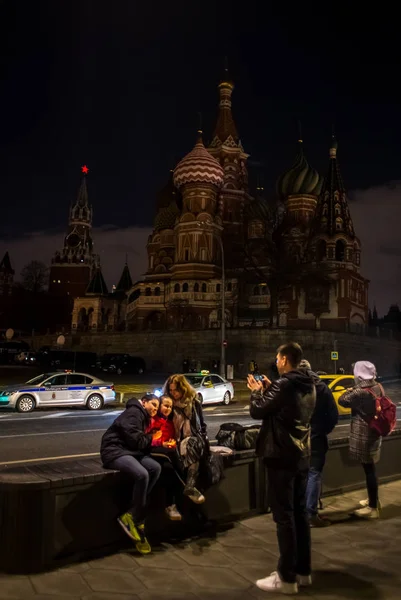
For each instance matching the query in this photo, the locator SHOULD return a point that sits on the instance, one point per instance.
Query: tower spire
(300, 138)
(225, 131)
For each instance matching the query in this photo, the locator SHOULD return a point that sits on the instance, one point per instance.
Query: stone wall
(165, 350)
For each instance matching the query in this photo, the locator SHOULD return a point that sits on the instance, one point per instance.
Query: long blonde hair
(183, 385)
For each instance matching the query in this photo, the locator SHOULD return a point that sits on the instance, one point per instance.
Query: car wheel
(200, 398)
(25, 404)
(226, 398)
(119, 371)
(94, 402)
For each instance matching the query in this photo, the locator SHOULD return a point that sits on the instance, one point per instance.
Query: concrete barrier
(61, 512)
(57, 513)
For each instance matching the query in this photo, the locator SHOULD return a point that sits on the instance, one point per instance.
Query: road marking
(17, 435)
(45, 459)
(55, 415)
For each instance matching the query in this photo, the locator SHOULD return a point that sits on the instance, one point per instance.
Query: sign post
(334, 358)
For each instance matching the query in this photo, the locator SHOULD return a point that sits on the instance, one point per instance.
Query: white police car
(58, 389)
(210, 387)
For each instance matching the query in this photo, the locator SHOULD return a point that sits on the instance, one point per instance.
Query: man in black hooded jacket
(286, 408)
(323, 421)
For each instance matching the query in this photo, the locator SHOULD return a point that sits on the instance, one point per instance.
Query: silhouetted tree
(34, 276)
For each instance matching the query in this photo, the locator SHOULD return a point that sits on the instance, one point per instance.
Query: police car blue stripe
(72, 387)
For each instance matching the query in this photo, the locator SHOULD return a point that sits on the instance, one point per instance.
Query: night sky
(119, 85)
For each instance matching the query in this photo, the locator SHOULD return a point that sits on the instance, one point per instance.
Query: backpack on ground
(385, 419)
(237, 437)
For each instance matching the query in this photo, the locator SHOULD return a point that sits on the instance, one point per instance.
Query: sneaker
(195, 495)
(304, 580)
(366, 513)
(365, 503)
(316, 521)
(173, 513)
(274, 583)
(143, 545)
(127, 523)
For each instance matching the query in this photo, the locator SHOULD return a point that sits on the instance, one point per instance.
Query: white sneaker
(367, 513)
(304, 580)
(365, 503)
(173, 514)
(273, 583)
(195, 495)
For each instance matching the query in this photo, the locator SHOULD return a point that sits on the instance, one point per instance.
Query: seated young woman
(126, 447)
(190, 431)
(164, 450)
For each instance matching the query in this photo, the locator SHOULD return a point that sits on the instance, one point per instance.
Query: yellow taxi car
(338, 384)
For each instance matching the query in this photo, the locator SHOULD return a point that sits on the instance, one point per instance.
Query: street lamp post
(223, 312)
(223, 308)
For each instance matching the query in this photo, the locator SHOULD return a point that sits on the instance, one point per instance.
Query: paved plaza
(351, 559)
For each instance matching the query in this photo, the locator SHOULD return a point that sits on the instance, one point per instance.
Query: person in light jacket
(364, 442)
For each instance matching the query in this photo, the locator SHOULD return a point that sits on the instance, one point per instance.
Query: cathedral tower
(298, 188)
(72, 267)
(335, 249)
(227, 148)
(199, 177)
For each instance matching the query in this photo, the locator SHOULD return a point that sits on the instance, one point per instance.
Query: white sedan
(211, 388)
(58, 389)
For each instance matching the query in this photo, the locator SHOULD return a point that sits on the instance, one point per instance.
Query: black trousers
(371, 483)
(287, 491)
(171, 477)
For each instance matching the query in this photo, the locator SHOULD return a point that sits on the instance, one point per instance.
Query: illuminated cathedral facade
(295, 268)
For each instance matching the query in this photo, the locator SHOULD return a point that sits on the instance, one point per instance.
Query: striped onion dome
(198, 167)
(300, 179)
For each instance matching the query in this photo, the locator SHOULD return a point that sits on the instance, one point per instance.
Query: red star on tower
(84, 169)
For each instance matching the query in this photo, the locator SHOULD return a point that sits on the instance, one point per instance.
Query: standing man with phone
(285, 407)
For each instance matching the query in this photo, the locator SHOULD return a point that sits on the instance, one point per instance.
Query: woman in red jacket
(165, 448)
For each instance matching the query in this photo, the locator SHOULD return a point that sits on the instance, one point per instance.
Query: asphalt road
(73, 433)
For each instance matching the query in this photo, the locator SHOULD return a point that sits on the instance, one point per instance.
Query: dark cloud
(376, 213)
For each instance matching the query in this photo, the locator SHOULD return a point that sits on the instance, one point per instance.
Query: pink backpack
(385, 419)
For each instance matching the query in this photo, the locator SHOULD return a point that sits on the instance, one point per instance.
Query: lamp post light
(223, 309)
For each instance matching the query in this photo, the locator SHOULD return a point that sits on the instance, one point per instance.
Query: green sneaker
(127, 523)
(143, 545)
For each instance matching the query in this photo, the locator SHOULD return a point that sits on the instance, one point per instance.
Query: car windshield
(39, 378)
(194, 380)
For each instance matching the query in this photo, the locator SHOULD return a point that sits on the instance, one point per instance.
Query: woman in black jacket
(126, 447)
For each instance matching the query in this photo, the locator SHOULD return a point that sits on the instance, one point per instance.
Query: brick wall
(165, 351)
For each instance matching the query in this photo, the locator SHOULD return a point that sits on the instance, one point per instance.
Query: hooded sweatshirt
(285, 408)
(126, 435)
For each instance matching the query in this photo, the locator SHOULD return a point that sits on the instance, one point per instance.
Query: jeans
(287, 489)
(371, 483)
(144, 472)
(314, 485)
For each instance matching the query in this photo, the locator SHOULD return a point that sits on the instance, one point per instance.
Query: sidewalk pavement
(351, 559)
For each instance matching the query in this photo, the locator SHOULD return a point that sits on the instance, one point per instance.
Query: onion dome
(300, 179)
(165, 218)
(198, 167)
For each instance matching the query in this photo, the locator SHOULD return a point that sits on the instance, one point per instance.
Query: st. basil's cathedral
(294, 268)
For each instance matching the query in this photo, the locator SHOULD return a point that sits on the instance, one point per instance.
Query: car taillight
(112, 387)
